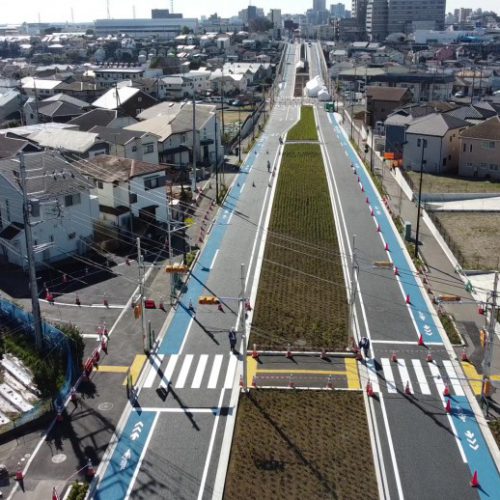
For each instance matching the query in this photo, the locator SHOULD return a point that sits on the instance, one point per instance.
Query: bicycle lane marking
(418, 308)
(127, 456)
(178, 327)
(476, 450)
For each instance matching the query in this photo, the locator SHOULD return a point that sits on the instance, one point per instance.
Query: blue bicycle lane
(467, 428)
(120, 472)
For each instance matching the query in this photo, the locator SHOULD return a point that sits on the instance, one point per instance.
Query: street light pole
(417, 234)
(140, 267)
(239, 134)
(243, 326)
(490, 339)
(193, 180)
(352, 297)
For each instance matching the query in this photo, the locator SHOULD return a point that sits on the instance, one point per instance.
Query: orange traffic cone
(90, 472)
(394, 357)
(446, 390)
(105, 301)
(448, 406)
(386, 247)
(369, 389)
(396, 271)
(367, 200)
(322, 354)
(329, 384)
(464, 356)
(372, 213)
(420, 340)
(55, 495)
(255, 354)
(378, 228)
(288, 354)
(408, 389)
(474, 481)
(19, 473)
(408, 301)
(362, 188)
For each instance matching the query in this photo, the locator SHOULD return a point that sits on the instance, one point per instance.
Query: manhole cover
(105, 406)
(59, 458)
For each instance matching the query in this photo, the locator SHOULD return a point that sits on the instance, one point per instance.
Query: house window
(470, 148)
(72, 199)
(139, 99)
(7, 209)
(183, 138)
(464, 147)
(138, 111)
(71, 236)
(152, 182)
(493, 166)
(51, 237)
(35, 209)
(488, 145)
(444, 162)
(148, 148)
(132, 198)
(134, 149)
(100, 185)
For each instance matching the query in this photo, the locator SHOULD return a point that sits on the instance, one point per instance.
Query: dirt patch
(451, 184)
(473, 237)
(301, 444)
(302, 297)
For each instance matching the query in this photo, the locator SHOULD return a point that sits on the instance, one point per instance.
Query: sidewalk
(443, 278)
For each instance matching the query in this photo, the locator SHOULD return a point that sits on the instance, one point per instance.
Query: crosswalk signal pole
(243, 327)
(488, 350)
(140, 262)
(352, 297)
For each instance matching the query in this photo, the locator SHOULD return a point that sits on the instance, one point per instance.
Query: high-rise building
(251, 12)
(164, 14)
(359, 13)
(275, 18)
(319, 4)
(406, 16)
(337, 10)
(376, 20)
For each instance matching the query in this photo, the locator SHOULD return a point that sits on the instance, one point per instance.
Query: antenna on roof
(108, 10)
(133, 11)
(171, 6)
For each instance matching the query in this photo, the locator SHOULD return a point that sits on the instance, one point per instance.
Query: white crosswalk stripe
(192, 371)
(423, 377)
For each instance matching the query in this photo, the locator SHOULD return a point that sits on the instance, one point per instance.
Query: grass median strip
(305, 129)
(302, 295)
(301, 444)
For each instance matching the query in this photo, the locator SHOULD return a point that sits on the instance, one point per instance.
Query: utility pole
(488, 351)
(352, 298)
(239, 134)
(193, 180)
(140, 267)
(35, 305)
(170, 251)
(243, 326)
(417, 234)
(216, 139)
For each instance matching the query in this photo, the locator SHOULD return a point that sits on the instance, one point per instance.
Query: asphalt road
(171, 443)
(420, 454)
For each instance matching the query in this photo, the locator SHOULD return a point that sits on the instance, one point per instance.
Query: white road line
(230, 217)
(214, 374)
(141, 458)
(228, 383)
(455, 381)
(405, 376)
(372, 374)
(395, 342)
(181, 379)
(160, 409)
(200, 370)
(169, 371)
(422, 381)
(213, 260)
(436, 376)
(242, 187)
(155, 360)
(388, 375)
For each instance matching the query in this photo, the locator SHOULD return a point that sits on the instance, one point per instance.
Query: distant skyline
(89, 10)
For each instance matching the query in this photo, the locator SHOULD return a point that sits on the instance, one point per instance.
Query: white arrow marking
(421, 315)
(472, 441)
(469, 434)
(474, 447)
(125, 458)
(462, 417)
(135, 435)
(138, 424)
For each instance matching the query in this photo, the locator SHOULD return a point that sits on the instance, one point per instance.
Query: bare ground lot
(473, 237)
(450, 184)
(301, 445)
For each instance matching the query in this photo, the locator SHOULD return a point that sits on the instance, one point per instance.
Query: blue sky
(87, 10)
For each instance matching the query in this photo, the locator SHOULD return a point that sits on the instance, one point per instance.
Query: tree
(185, 30)
(260, 24)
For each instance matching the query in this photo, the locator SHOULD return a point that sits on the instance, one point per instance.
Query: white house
(200, 80)
(63, 209)
(39, 88)
(135, 145)
(177, 87)
(126, 186)
(435, 138)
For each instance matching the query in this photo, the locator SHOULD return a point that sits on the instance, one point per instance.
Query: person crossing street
(232, 339)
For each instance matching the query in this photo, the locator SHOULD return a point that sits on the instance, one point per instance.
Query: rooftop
(489, 130)
(114, 98)
(69, 140)
(435, 124)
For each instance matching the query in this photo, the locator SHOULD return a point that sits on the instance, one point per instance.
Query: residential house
(480, 150)
(110, 118)
(75, 142)
(177, 87)
(11, 146)
(128, 100)
(382, 101)
(11, 103)
(107, 77)
(132, 144)
(475, 113)
(85, 91)
(63, 209)
(199, 79)
(59, 108)
(173, 124)
(433, 141)
(39, 88)
(232, 83)
(128, 187)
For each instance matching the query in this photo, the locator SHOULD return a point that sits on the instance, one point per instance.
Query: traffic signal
(208, 299)
(178, 268)
(482, 338)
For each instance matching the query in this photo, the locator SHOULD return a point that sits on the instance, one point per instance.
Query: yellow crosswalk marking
(351, 366)
(251, 370)
(112, 369)
(136, 367)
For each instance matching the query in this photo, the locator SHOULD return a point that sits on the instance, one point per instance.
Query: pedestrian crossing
(420, 377)
(190, 371)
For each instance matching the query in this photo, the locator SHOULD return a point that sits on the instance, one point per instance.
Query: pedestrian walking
(191, 308)
(364, 344)
(268, 166)
(232, 339)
